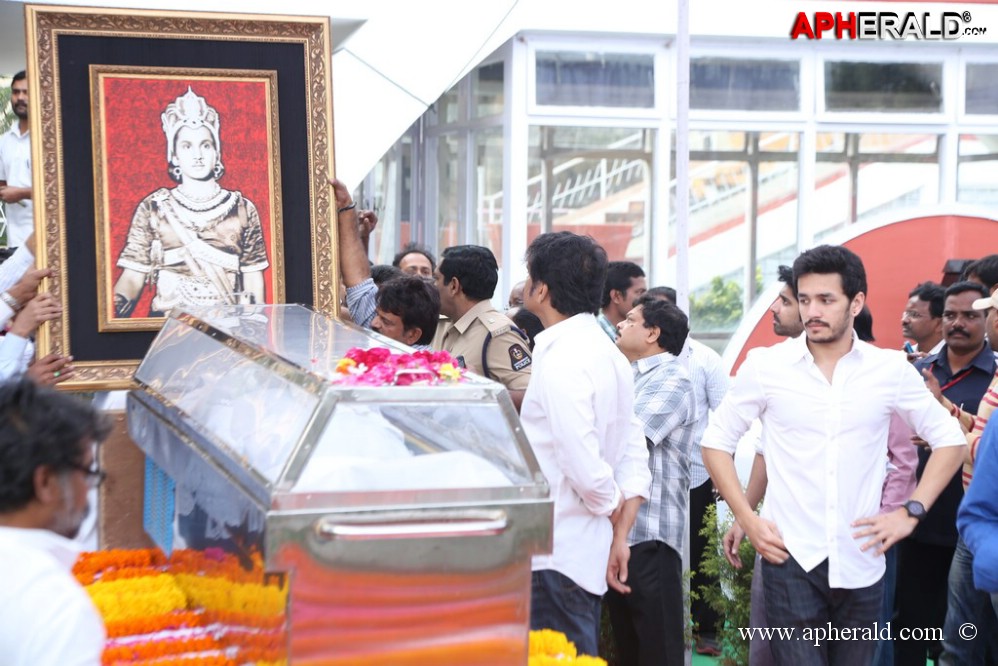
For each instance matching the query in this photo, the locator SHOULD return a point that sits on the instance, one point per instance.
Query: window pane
(976, 182)
(982, 88)
(743, 187)
(860, 176)
(487, 90)
(445, 110)
(866, 86)
(599, 186)
(488, 190)
(448, 197)
(568, 78)
(390, 197)
(750, 85)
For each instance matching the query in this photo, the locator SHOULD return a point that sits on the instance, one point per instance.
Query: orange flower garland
(192, 609)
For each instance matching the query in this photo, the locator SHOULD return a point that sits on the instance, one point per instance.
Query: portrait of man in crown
(194, 236)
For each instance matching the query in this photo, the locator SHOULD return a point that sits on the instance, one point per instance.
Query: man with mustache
(961, 371)
(975, 562)
(825, 401)
(15, 167)
(48, 447)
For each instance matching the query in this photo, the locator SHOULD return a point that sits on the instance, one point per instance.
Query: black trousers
(648, 622)
(704, 617)
(920, 597)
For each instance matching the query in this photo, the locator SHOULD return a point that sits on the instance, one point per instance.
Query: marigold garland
(191, 609)
(204, 609)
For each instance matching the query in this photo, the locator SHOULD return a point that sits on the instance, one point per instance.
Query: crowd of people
(863, 459)
(875, 468)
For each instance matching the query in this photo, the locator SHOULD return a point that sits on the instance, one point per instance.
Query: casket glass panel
(240, 402)
(255, 381)
(415, 446)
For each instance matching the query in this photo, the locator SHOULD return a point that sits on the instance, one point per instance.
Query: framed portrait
(184, 164)
(179, 159)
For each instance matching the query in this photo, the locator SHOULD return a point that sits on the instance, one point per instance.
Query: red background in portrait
(135, 154)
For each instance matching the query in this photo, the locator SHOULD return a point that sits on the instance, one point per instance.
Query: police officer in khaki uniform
(485, 339)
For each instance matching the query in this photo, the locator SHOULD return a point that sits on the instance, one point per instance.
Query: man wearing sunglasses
(48, 464)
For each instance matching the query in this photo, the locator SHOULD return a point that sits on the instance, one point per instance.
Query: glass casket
(403, 517)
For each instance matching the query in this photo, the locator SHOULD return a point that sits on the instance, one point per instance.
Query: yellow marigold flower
(586, 660)
(548, 660)
(344, 365)
(551, 643)
(132, 598)
(219, 594)
(449, 372)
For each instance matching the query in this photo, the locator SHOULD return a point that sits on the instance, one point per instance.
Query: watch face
(915, 509)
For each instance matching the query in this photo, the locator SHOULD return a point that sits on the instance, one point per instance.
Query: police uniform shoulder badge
(518, 357)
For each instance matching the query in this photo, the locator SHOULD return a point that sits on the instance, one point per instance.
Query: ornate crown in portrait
(189, 110)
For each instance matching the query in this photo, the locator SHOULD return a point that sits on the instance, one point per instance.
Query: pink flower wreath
(378, 366)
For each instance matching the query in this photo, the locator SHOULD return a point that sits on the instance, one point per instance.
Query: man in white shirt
(47, 465)
(825, 401)
(15, 167)
(578, 414)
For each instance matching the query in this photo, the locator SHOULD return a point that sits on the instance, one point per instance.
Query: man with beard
(47, 465)
(961, 371)
(786, 313)
(825, 401)
(15, 167)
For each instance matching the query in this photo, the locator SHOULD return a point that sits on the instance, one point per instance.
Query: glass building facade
(789, 143)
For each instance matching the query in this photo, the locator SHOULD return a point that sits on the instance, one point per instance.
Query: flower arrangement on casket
(193, 608)
(552, 648)
(379, 366)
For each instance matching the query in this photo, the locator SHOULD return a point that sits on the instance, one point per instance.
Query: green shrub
(731, 599)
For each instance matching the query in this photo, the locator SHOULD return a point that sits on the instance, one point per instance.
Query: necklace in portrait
(203, 216)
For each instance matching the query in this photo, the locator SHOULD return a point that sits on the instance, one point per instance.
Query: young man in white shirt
(15, 167)
(578, 414)
(48, 465)
(825, 401)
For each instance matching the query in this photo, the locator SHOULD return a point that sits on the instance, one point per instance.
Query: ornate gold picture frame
(88, 194)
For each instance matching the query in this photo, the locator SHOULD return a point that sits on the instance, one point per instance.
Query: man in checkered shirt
(648, 620)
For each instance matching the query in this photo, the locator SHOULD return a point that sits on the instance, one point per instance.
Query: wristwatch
(915, 509)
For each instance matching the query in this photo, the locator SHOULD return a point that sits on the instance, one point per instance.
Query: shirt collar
(65, 551)
(565, 328)
(984, 361)
(798, 350)
(481, 307)
(15, 129)
(648, 363)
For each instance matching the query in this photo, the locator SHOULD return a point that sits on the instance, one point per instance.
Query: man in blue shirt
(978, 517)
